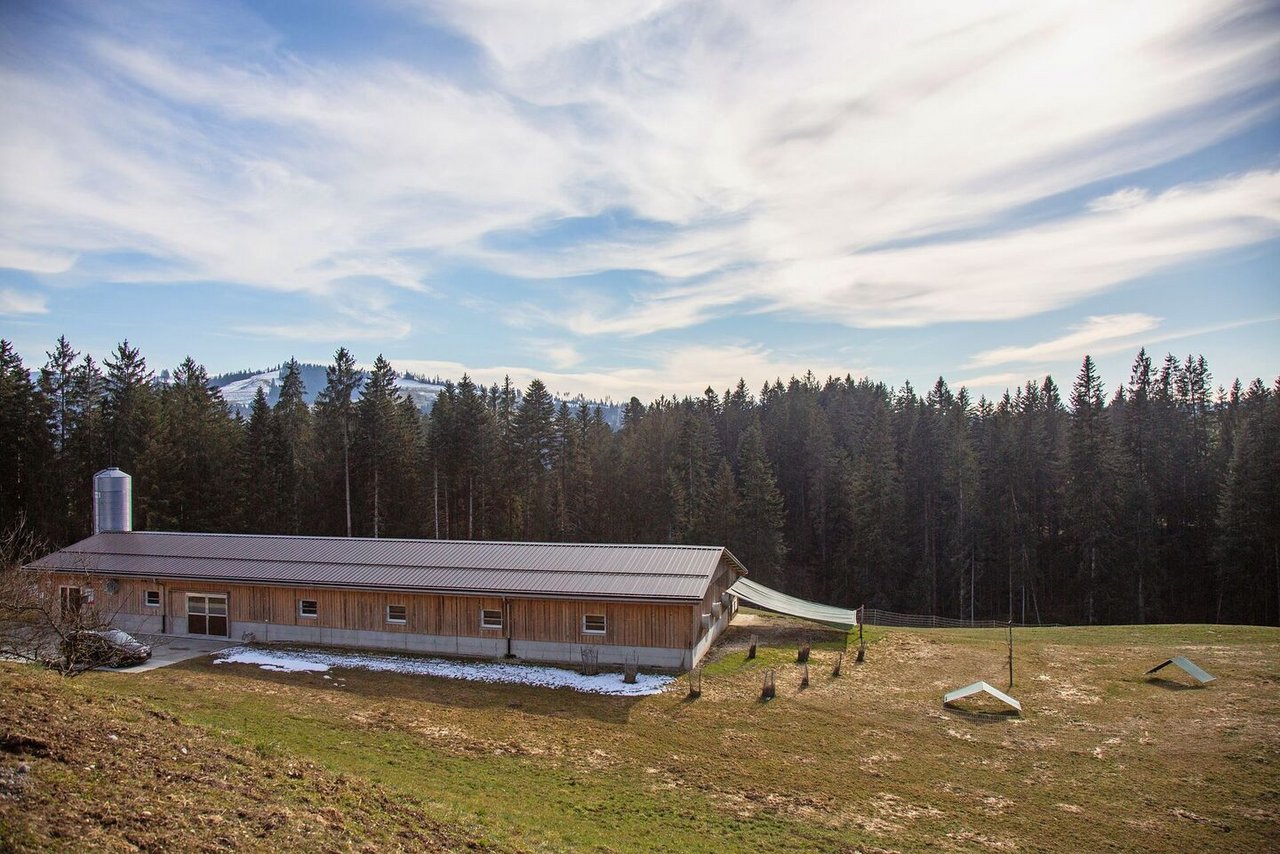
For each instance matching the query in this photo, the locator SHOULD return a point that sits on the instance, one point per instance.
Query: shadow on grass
(563, 703)
(982, 716)
(1171, 685)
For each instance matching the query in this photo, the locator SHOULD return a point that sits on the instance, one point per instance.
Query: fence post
(769, 691)
(751, 653)
(839, 662)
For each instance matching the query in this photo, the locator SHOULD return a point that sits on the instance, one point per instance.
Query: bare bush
(41, 614)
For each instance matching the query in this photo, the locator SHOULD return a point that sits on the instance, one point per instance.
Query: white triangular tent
(980, 688)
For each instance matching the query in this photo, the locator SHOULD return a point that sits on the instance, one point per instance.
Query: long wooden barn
(662, 606)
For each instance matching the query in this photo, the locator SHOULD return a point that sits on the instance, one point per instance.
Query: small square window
(397, 614)
(152, 599)
(308, 608)
(490, 619)
(593, 624)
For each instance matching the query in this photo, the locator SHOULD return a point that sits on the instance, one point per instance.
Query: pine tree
(335, 417)
(1090, 485)
(184, 483)
(57, 387)
(86, 448)
(262, 499)
(28, 446)
(295, 451)
(130, 407)
(759, 532)
(381, 447)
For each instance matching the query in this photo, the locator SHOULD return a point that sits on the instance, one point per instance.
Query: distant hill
(239, 387)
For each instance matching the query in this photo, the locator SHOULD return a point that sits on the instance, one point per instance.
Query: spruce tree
(759, 531)
(1090, 485)
(293, 463)
(335, 419)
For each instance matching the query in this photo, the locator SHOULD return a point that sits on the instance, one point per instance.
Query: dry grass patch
(1101, 760)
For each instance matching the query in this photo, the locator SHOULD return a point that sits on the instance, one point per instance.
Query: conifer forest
(1155, 501)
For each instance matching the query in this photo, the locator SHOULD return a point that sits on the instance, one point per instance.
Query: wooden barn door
(207, 615)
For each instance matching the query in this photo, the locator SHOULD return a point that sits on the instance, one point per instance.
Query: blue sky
(646, 197)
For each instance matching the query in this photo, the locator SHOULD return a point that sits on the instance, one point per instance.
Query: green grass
(1102, 759)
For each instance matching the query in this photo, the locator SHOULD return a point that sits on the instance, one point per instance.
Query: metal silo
(112, 501)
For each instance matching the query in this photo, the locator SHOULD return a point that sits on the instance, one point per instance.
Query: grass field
(1101, 760)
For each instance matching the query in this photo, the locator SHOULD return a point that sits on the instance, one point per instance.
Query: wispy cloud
(22, 302)
(678, 371)
(1095, 331)
(778, 147)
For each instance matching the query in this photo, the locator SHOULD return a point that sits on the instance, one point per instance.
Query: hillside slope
(81, 772)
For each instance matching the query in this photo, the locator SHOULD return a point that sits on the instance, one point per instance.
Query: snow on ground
(315, 661)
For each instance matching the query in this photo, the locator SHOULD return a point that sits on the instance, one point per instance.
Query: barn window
(397, 614)
(151, 599)
(308, 608)
(70, 599)
(593, 624)
(490, 619)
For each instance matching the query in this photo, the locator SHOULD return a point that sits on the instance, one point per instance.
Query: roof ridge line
(424, 541)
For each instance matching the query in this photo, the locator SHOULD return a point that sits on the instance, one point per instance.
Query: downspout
(506, 625)
(164, 606)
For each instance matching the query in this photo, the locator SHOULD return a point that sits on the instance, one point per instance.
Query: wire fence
(877, 617)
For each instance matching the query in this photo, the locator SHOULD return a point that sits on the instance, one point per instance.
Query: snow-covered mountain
(238, 390)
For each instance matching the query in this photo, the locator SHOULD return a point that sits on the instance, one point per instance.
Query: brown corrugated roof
(452, 566)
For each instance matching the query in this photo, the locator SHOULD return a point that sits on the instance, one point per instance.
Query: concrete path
(166, 650)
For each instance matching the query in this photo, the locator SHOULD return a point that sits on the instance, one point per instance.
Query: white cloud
(992, 385)
(1121, 199)
(1105, 330)
(777, 144)
(17, 302)
(674, 372)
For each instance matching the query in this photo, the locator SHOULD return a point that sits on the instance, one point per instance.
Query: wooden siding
(552, 620)
(721, 581)
(626, 624)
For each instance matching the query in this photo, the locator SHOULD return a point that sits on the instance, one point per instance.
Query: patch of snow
(314, 661)
(239, 393)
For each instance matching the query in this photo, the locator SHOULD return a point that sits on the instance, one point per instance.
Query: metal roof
(774, 600)
(447, 566)
(1192, 669)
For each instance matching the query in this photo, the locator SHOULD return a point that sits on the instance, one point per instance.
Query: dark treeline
(1158, 502)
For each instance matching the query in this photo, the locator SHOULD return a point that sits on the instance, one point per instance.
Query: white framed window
(308, 608)
(151, 598)
(70, 599)
(490, 618)
(593, 624)
(397, 614)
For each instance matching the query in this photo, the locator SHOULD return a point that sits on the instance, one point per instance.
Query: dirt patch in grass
(1102, 759)
(80, 772)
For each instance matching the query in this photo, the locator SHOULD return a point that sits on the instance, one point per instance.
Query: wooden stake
(839, 661)
(1011, 654)
(804, 677)
(770, 690)
(751, 653)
